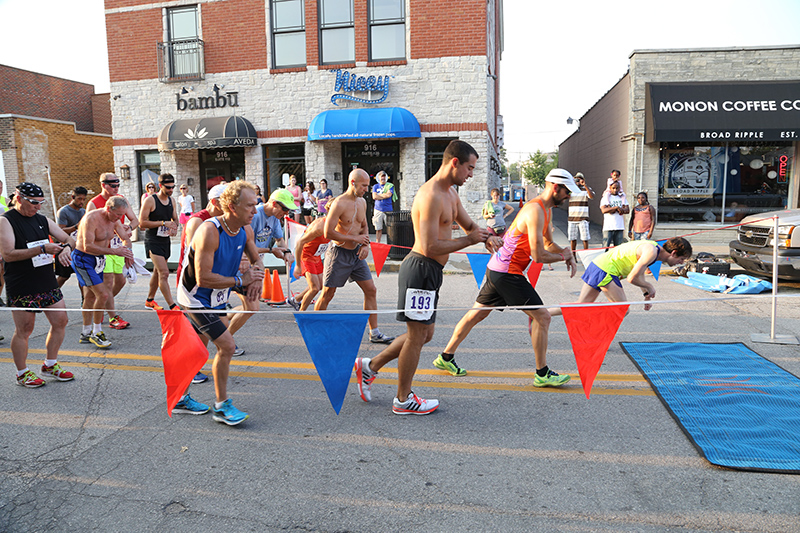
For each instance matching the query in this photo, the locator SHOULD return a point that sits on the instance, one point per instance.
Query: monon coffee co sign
(735, 112)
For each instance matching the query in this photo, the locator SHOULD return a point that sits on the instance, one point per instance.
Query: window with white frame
(387, 30)
(184, 45)
(337, 31)
(288, 33)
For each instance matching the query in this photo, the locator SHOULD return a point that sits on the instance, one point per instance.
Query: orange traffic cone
(277, 291)
(266, 291)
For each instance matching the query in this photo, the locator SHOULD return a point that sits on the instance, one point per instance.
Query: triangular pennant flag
(182, 353)
(478, 264)
(533, 272)
(591, 330)
(380, 252)
(333, 342)
(293, 233)
(655, 268)
(587, 256)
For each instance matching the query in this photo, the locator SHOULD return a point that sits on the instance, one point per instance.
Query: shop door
(373, 157)
(216, 166)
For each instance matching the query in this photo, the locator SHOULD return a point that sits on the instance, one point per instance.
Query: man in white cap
(528, 238)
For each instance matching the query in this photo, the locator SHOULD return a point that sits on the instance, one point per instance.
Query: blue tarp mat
(740, 410)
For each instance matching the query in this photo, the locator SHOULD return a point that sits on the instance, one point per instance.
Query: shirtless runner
(346, 257)
(436, 206)
(94, 237)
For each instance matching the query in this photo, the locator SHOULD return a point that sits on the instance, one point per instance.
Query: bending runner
(309, 250)
(529, 237)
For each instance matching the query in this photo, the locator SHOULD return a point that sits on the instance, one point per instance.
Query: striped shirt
(579, 206)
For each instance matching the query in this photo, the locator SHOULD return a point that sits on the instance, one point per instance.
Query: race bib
(100, 264)
(116, 242)
(321, 250)
(419, 304)
(219, 297)
(163, 231)
(41, 259)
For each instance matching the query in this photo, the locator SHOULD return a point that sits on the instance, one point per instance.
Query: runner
(436, 207)
(310, 248)
(159, 217)
(211, 270)
(88, 260)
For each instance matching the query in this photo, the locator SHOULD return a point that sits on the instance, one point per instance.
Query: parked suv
(753, 248)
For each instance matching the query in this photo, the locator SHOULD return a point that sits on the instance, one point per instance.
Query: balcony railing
(181, 61)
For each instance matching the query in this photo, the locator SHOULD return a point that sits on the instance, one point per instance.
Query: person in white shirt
(614, 205)
(186, 202)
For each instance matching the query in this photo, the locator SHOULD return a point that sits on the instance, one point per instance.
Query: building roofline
(54, 121)
(712, 49)
(49, 76)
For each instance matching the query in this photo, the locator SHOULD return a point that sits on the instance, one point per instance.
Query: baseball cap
(216, 191)
(283, 197)
(562, 177)
(579, 175)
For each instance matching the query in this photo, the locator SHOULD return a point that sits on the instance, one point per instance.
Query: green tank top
(619, 261)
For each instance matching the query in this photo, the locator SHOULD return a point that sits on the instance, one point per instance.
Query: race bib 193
(41, 259)
(419, 304)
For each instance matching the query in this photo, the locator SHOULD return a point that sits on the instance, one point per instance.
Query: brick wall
(235, 35)
(74, 158)
(132, 44)
(101, 113)
(444, 29)
(37, 95)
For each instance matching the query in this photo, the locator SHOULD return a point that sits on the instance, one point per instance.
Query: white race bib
(100, 264)
(41, 259)
(321, 250)
(219, 297)
(163, 231)
(419, 304)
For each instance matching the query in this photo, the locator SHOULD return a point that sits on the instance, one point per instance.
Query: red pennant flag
(533, 273)
(182, 353)
(591, 330)
(380, 252)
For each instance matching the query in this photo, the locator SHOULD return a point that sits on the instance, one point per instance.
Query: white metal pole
(724, 185)
(774, 278)
(52, 194)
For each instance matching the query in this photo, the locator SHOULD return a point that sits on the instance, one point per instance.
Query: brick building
(710, 134)
(262, 89)
(49, 122)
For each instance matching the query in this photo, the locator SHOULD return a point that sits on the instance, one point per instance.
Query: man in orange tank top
(528, 238)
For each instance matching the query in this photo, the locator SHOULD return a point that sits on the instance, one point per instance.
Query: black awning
(216, 132)
(722, 111)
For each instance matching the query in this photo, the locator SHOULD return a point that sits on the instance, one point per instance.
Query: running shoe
(84, 339)
(450, 366)
(199, 378)
(57, 372)
(238, 352)
(293, 302)
(552, 379)
(99, 340)
(364, 378)
(151, 304)
(380, 338)
(29, 380)
(118, 323)
(228, 414)
(189, 406)
(414, 405)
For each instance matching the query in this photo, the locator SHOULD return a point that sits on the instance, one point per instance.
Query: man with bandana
(31, 281)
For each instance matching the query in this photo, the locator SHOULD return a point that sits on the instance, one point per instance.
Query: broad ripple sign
(352, 83)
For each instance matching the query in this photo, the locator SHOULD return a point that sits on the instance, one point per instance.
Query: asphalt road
(101, 454)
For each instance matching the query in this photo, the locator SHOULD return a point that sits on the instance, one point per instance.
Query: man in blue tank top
(210, 271)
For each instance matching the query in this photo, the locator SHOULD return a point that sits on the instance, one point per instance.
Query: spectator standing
(186, 201)
(324, 196)
(643, 221)
(297, 194)
(578, 222)
(309, 202)
(613, 205)
(495, 212)
(382, 193)
(68, 218)
(149, 189)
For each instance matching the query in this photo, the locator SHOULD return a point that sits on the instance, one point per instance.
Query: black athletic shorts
(501, 289)
(418, 273)
(161, 248)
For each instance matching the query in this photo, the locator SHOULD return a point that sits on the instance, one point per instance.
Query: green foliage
(535, 169)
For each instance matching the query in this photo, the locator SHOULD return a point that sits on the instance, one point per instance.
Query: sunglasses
(112, 183)
(285, 209)
(170, 187)
(34, 202)
(150, 187)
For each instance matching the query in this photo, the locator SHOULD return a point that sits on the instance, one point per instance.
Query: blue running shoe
(190, 406)
(199, 378)
(228, 414)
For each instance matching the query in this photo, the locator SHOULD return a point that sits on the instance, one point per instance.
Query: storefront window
(283, 160)
(434, 151)
(148, 163)
(722, 183)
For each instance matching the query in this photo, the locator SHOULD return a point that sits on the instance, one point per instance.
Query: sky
(560, 56)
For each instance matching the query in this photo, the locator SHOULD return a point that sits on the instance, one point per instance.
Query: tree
(535, 169)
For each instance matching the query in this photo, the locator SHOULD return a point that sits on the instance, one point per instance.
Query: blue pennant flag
(333, 342)
(478, 264)
(292, 279)
(655, 268)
